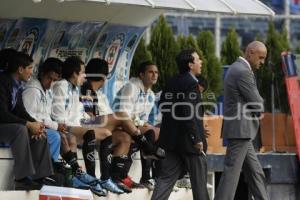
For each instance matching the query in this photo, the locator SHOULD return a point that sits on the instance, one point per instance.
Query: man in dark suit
(182, 132)
(32, 162)
(242, 107)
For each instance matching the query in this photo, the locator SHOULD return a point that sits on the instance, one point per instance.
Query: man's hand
(38, 137)
(88, 98)
(62, 128)
(37, 129)
(199, 146)
(145, 127)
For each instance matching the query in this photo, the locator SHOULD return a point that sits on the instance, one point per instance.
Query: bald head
(256, 53)
(256, 45)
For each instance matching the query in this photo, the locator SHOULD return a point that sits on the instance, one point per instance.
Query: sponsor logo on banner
(28, 43)
(113, 51)
(71, 49)
(65, 52)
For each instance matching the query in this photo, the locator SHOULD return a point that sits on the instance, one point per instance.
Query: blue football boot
(98, 190)
(85, 177)
(76, 183)
(109, 185)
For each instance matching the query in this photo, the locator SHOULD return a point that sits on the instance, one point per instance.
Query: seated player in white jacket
(122, 126)
(137, 99)
(65, 110)
(37, 98)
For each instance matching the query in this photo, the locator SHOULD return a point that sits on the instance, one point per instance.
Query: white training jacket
(133, 100)
(66, 107)
(38, 103)
(103, 104)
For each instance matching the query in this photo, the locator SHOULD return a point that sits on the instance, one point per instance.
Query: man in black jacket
(17, 128)
(182, 132)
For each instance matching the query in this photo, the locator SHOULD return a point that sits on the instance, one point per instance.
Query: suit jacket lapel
(244, 64)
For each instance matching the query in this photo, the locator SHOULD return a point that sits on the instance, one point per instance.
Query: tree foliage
(230, 50)
(276, 43)
(164, 50)
(141, 54)
(206, 43)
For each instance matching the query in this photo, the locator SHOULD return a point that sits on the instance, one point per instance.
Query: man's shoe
(76, 183)
(111, 186)
(46, 181)
(149, 184)
(60, 166)
(130, 183)
(59, 179)
(122, 186)
(85, 177)
(98, 190)
(27, 184)
(95, 188)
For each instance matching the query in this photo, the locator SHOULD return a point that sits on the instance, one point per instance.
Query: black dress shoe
(46, 181)
(27, 184)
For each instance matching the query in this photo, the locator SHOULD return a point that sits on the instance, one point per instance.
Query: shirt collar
(193, 76)
(247, 63)
(72, 86)
(139, 83)
(17, 84)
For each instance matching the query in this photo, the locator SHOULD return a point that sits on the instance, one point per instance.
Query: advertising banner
(5, 27)
(26, 35)
(42, 38)
(116, 45)
(74, 39)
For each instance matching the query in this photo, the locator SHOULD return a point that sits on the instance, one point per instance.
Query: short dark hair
(5, 56)
(95, 68)
(50, 65)
(143, 66)
(17, 60)
(183, 59)
(72, 64)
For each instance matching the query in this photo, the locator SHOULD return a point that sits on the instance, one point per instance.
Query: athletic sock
(88, 152)
(71, 158)
(146, 143)
(118, 170)
(105, 151)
